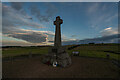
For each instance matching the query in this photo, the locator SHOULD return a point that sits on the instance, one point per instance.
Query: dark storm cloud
(13, 18)
(105, 39)
(31, 37)
(17, 5)
(36, 12)
(49, 12)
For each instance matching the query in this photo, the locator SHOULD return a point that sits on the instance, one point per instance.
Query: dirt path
(80, 68)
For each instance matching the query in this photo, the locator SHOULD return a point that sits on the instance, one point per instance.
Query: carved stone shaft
(58, 22)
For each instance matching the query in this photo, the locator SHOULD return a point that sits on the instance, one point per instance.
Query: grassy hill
(16, 51)
(89, 50)
(98, 50)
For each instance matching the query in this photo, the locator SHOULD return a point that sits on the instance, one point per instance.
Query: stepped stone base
(59, 55)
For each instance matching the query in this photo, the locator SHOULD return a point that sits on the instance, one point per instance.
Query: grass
(24, 51)
(97, 51)
(89, 50)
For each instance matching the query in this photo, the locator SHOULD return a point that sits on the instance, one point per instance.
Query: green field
(10, 52)
(89, 50)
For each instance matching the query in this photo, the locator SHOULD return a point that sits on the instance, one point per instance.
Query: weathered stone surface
(63, 56)
(63, 59)
(58, 53)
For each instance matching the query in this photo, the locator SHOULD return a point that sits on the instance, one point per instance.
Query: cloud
(112, 17)
(93, 8)
(64, 39)
(30, 37)
(105, 39)
(73, 35)
(16, 42)
(15, 16)
(17, 5)
(14, 19)
(108, 28)
(49, 12)
(101, 14)
(109, 31)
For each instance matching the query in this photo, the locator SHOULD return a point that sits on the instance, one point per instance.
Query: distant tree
(92, 43)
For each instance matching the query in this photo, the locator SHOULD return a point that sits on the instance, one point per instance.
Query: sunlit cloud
(108, 28)
(109, 31)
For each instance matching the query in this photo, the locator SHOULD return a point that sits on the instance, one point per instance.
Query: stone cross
(58, 22)
(57, 54)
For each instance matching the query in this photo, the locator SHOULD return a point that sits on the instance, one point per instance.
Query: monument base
(58, 55)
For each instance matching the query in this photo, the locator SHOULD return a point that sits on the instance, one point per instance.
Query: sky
(31, 23)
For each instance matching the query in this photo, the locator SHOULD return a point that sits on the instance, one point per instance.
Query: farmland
(86, 50)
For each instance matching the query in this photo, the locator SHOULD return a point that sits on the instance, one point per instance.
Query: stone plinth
(61, 57)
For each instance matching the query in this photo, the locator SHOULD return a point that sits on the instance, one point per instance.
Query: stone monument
(57, 54)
